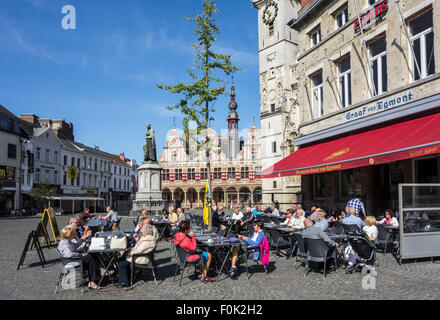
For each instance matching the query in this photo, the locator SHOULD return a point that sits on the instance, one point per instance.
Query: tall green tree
(42, 192)
(197, 99)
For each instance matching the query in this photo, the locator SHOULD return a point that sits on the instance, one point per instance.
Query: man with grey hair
(312, 232)
(353, 219)
(321, 222)
(182, 216)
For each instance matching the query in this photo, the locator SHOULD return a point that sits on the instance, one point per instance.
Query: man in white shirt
(275, 211)
(237, 220)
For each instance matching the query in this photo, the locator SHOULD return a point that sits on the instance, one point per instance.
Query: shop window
(346, 183)
(319, 186)
(422, 41)
(427, 171)
(378, 63)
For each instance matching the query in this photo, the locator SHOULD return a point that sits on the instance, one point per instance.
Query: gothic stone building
(233, 165)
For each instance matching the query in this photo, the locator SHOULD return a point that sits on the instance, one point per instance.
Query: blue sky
(102, 76)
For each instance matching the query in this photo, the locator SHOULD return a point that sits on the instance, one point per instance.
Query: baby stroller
(365, 252)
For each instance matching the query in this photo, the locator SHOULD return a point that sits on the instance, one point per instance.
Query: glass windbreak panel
(421, 221)
(420, 197)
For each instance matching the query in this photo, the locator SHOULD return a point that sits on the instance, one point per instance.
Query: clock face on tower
(270, 12)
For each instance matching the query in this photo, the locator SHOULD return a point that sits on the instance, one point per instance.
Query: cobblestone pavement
(414, 280)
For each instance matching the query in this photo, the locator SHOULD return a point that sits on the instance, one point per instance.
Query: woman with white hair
(68, 249)
(144, 244)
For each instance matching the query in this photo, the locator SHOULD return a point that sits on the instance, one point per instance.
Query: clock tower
(278, 47)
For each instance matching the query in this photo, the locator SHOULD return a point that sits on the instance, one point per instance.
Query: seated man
(111, 215)
(145, 243)
(275, 211)
(312, 232)
(353, 219)
(86, 215)
(237, 220)
(321, 222)
(182, 216)
(254, 241)
(76, 222)
(299, 220)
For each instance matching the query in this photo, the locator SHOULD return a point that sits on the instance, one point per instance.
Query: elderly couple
(71, 245)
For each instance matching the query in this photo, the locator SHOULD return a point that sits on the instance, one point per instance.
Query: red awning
(404, 140)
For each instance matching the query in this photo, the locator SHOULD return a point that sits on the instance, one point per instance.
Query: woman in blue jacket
(254, 241)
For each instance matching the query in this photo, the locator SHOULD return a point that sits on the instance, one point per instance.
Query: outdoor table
(161, 224)
(106, 234)
(111, 254)
(214, 243)
(96, 223)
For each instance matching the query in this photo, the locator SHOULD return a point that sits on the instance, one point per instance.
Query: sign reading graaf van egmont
(379, 106)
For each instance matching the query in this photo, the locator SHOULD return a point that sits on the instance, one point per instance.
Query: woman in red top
(187, 241)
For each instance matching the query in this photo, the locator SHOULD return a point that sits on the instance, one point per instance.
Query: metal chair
(182, 261)
(150, 266)
(319, 251)
(64, 270)
(248, 251)
(384, 239)
(301, 252)
(277, 242)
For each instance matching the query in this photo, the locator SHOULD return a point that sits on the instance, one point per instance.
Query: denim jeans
(124, 270)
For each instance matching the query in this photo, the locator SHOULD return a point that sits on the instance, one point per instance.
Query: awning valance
(404, 140)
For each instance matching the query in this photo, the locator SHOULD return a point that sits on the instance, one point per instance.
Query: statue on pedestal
(150, 146)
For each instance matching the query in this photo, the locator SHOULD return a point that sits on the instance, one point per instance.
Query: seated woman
(187, 241)
(143, 215)
(256, 239)
(68, 249)
(389, 219)
(370, 229)
(145, 243)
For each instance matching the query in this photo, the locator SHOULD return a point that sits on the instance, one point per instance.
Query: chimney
(31, 118)
(122, 156)
(304, 3)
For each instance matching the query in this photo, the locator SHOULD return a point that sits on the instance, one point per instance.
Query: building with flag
(234, 162)
(369, 96)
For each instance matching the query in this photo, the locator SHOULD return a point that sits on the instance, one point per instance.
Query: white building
(10, 156)
(278, 47)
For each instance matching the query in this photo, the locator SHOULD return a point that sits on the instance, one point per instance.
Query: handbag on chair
(118, 243)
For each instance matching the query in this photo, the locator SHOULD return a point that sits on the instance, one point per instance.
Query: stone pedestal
(149, 195)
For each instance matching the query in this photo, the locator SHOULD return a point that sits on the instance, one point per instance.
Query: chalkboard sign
(42, 233)
(49, 215)
(397, 177)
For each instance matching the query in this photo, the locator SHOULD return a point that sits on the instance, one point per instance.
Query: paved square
(415, 280)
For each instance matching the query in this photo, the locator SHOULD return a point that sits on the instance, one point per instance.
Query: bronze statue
(150, 146)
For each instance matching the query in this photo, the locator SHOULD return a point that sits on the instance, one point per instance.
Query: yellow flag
(206, 204)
